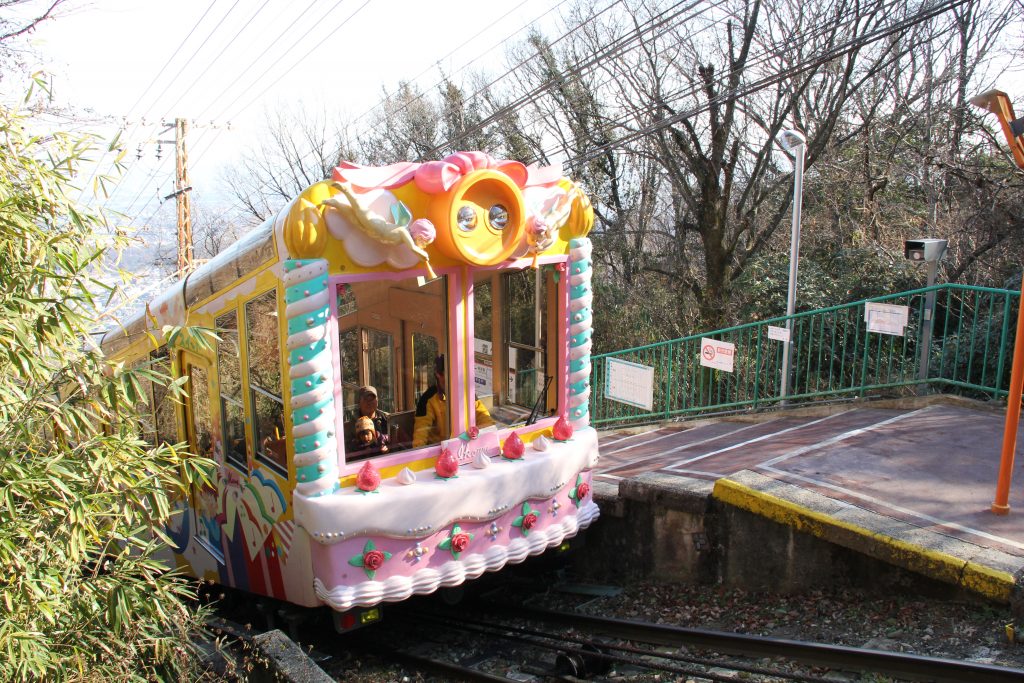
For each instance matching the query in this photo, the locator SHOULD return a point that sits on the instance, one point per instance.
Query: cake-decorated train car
(397, 396)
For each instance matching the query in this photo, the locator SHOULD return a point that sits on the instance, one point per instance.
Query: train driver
(432, 412)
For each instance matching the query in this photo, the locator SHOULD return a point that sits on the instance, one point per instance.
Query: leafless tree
(300, 148)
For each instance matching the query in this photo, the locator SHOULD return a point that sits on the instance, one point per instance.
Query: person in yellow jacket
(432, 412)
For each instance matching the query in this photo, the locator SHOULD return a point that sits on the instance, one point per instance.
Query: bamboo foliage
(84, 501)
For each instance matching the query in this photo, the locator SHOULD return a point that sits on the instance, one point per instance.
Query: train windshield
(515, 334)
(394, 344)
(391, 336)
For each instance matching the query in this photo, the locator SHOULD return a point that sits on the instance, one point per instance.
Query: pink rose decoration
(529, 520)
(368, 478)
(513, 448)
(582, 490)
(446, 466)
(473, 432)
(459, 542)
(373, 560)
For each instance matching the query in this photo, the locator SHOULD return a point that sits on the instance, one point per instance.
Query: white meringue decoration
(541, 443)
(406, 476)
(481, 461)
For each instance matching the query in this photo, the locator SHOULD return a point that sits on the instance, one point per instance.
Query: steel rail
(913, 667)
(602, 651)
(449, 670)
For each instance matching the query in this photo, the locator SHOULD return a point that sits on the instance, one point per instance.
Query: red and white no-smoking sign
(717, 354)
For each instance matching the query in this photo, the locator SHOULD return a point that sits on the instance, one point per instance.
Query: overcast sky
(228, 61)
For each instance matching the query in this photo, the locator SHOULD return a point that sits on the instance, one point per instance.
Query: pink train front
(380, 278)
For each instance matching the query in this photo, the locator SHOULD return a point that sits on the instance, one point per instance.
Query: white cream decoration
(406, 477)
(401, 508)
(541, 443)
(481, 460)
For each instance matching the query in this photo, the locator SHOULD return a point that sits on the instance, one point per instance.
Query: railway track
(592, 645)
(484, 640)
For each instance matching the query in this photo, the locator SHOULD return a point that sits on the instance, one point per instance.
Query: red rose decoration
(513, 448)
(582, 490)
(459, 542)
(473, 432)
(446, 466)
(373, 559)
(368, 478)
(529, 520)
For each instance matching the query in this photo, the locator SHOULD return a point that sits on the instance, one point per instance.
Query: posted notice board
(629, 383)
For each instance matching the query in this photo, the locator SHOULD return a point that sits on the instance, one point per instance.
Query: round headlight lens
(498, 217)
(467, 219)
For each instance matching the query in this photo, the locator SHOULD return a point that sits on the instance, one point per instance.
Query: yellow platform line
(991, 583)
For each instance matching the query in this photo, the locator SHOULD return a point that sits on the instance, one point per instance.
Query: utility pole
(181, 194)
(998, 103)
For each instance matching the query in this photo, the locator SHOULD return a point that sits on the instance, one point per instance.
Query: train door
(199, 432)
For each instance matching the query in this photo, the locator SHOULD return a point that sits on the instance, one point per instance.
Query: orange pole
(1001, 505)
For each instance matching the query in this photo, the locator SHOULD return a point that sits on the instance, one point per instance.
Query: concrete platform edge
(989, 582)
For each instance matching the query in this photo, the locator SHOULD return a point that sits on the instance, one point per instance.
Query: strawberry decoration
(368, 478)
(446, 466)
(562, 431)
(513, 448)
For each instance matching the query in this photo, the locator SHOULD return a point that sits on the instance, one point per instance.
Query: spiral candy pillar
(580, 299)
(311, 373)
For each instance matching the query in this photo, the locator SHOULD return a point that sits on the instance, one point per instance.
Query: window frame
(239, 402)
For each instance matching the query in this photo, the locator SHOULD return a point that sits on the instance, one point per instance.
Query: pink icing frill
(434, 177)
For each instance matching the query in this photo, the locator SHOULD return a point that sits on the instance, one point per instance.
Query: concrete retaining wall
(670, 528)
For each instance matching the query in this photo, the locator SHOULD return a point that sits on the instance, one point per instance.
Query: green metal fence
(833, 355)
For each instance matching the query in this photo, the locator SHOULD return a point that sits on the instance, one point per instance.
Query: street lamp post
(793, 141)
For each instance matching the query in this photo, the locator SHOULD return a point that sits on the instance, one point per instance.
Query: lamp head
(791, 139)
(987, 100)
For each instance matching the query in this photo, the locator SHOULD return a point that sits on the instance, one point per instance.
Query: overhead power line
(616, 47)
(761, 83)
(834, 26)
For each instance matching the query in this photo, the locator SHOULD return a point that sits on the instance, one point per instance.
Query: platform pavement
(908, 482)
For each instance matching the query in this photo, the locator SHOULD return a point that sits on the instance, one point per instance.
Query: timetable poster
(629, 383)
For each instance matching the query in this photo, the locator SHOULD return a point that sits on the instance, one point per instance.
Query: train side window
(229, 380)
(144, 408)
(265, 403)
(164, 411)
(201, 426)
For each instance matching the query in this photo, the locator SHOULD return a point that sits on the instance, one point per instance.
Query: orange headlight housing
(480, 220)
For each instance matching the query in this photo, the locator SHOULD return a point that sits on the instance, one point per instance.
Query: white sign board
(483, 370)
(886, 318)
(778, 333)
(629, 383)
(717, 354)
(482, 346)
(483, 376)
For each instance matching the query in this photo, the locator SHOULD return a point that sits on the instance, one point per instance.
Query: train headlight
(480, 219)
